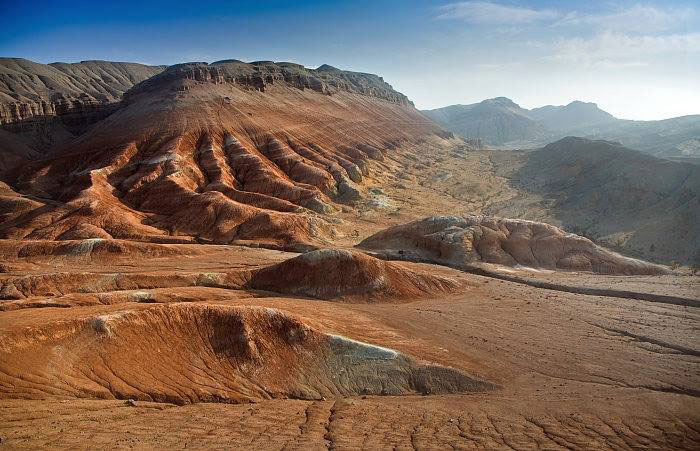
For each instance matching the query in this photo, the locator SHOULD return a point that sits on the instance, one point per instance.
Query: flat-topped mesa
(260, 74)
(201, 152)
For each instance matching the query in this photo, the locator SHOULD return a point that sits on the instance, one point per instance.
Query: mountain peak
(581, 102)
(583, 105)
(501, 101)
(326, 68)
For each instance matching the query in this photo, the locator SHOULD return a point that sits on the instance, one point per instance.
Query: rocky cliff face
(261, 74)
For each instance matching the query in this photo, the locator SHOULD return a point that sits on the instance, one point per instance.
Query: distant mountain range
(623, 198)
(502, 123)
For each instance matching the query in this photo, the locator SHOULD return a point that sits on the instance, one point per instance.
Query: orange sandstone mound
(185, 353)
(327, 274)
(460, 240)
(342, 274)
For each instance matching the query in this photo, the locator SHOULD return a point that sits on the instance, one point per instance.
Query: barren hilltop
(263, 255)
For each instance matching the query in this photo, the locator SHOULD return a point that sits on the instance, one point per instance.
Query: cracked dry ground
(576, 371)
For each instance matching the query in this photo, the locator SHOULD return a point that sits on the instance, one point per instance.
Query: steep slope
(49, 103)
(221, 152)
(675, 137)
(496, 121)
(28, 88)
(14, 151)
(627, 199)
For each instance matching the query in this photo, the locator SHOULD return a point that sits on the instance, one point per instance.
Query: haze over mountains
(502, 123)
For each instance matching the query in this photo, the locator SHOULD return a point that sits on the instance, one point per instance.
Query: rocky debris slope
(462, 240)
(184, 353)
(341, 274)
(30, 89)
(198, 151)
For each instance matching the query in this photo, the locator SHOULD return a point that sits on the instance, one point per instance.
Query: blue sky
(637, 60)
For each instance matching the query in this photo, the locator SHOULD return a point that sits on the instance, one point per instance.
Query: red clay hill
(218, 152)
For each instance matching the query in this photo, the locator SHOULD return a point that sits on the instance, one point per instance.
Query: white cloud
(489, 13)
(612, 49)
(637, 18)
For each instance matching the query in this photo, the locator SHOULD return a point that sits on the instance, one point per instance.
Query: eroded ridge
(185, 353)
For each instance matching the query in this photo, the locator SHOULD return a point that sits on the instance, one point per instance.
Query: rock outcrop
(259, 75)
(460, 241)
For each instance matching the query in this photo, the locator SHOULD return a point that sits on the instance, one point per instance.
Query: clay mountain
(501, 123)
(263, 255)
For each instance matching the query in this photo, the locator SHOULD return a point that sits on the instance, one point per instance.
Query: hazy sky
(637, 60)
